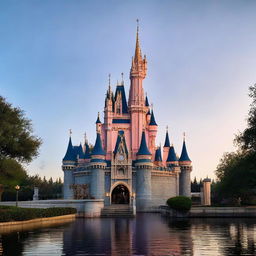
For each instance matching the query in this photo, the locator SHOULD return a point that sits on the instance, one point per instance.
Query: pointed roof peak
(143, 150)
(167, 140)
(158, 155)
(152, 119)
(184, 154)
(137, 55)
(146, 101)
(98, 119)
(171, 155)
(69, 156)
(98, 149)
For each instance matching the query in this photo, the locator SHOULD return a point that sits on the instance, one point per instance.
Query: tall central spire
(137, 56)
(136, 102)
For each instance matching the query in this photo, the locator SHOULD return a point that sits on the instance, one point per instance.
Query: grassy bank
(12, 213)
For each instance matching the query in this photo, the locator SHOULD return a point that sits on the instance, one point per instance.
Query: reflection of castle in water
(147, 234)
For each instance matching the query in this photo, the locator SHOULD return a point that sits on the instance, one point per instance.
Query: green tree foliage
(236, 171)
(237, 175)
(17, 145)
(247, 139)
(16, 138)
(48, 189)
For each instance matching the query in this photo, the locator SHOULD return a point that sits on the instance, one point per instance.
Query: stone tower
(186, 168)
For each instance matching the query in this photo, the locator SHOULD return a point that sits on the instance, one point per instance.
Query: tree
(237, 175)
(16, 138)
(236, 171)
(17, 144)
(247, 139)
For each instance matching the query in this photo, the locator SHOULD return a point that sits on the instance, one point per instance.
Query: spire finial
(98, 114)
(70, 132)
(167, 128)
(85, 137)
(109, 77)
(184, 136)
(137, 49)
(122, 75)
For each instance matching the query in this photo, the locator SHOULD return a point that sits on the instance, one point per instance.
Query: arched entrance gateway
(120, 195)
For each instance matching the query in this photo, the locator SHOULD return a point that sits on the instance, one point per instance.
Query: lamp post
(17, 187)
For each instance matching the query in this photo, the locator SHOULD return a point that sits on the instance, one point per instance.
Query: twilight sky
(55, 57)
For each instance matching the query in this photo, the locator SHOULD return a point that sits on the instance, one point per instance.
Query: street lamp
(17, 187)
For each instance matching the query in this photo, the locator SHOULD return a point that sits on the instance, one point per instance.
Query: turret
(143, 176)
(152, 132)
(186, 168)
(98, 124)
(68, 164)
(166, 147)
(98, 165)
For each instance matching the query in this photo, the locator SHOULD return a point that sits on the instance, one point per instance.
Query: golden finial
(70, 132)
(137, 48)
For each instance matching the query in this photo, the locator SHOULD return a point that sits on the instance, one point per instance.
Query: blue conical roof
(143, 150)
(184, 154)
(152, 119)
(87, 151)
(98, 120)
(171, 155)
(98, 150)
(146, 102)
(158, 155)
(167, 141)
(80, 152)
(70, 154)
(120, 88)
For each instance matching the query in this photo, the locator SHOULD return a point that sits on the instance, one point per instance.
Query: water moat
(147, 234)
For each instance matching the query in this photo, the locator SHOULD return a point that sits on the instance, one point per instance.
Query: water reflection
(147, 234)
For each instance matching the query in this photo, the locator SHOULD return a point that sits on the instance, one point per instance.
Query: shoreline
(6, 227)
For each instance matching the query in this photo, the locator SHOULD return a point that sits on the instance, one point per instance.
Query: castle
(125, 165)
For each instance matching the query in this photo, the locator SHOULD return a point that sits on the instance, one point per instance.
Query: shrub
(10, 213)
(180, 203)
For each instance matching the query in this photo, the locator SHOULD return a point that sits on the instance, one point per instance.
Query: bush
(180, 203)
(11, 213)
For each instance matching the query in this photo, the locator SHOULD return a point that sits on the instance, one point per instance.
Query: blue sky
(55, 57)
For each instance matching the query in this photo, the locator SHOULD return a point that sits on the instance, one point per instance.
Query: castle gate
(120, 195)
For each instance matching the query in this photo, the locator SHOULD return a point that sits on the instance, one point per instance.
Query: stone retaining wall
(85, 207)
(212, 212)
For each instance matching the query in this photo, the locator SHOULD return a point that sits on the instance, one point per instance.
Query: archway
(120, 195)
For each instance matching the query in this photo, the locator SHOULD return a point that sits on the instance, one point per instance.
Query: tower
(143, 175)
(136, 101)
(166, 147)
(186, 168)
(68, 165)
(98, 165)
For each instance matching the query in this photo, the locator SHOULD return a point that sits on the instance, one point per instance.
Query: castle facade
(125, 165)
